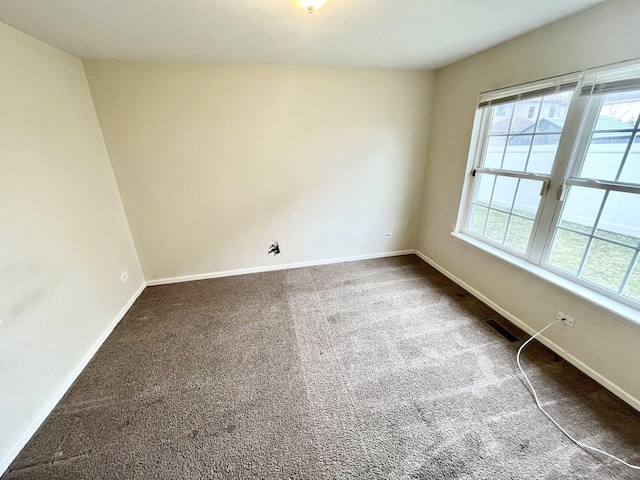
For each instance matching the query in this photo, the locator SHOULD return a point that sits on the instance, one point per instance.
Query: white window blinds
(529, 90)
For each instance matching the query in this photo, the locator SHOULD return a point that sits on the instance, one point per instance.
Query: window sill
(625, 313)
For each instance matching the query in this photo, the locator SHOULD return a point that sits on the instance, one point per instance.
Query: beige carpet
(373, 369)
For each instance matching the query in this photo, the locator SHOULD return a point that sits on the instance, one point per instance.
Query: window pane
(494, 152)
(528, 198)
(484, 189)
(517, 152)
(568, 250)
(519, 233)
(632, 288)
(604, 156)
(515, 127)
(478, 219)
(525, 115)
(554, 112)
(501, 119)
(611, 136)
(503, 193)
(543, 153)
(607, 264)
(581, 208)
(497, 226)
(631, 170)
(619, 110)
(620, 218)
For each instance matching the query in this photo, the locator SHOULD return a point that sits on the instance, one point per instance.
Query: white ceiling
(367, 33)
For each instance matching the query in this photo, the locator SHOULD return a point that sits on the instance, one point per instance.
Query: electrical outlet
(124, 276)
(388, 235)
(566, 319)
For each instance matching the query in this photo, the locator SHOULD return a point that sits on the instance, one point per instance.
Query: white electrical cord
(535, 395)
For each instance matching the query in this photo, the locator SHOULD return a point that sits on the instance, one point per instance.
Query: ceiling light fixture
(310, 5)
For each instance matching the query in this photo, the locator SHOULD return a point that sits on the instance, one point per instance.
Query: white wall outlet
(124, 276)
(566, 319)
(388, 235)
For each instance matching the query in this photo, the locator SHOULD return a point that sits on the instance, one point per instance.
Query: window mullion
(632, 265)
(493, 190)
(506, 144)
(594, 229)
(550, 211)
(632, 138)
(592, 106)
(535, 132)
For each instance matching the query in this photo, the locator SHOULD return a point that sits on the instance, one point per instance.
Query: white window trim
(605, 303)
(534, 260)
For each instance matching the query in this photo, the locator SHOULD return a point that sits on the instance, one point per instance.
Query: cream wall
(215, 161)
(604, 34)
(64, 239)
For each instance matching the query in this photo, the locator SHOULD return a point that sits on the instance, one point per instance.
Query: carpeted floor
(373, 369)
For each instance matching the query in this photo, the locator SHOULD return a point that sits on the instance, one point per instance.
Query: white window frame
(581, 118)
(593, 105)
(480, 137)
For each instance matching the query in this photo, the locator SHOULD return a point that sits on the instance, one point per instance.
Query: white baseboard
(42, 416)
(26, 436)
(612, 387)
(271, 268)
(46, 411)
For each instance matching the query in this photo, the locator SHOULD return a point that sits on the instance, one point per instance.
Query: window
(556, 178)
